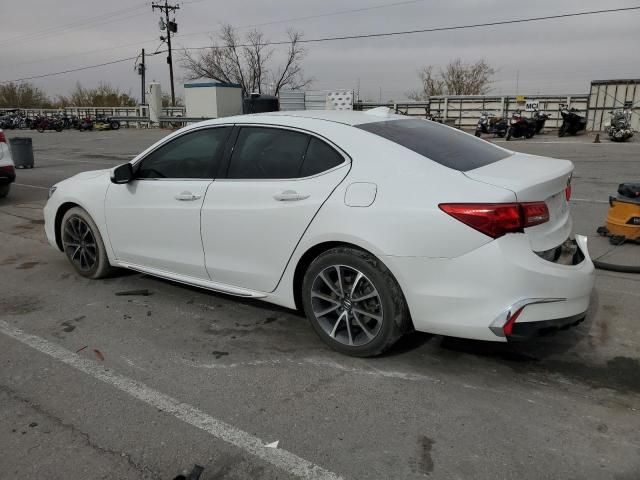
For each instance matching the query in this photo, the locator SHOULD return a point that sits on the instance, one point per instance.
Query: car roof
(345, 117)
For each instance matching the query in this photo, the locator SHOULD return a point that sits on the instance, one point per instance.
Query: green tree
(23, 95)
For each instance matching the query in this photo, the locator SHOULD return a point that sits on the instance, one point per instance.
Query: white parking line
(32, 186)
(587, 200)
(278, 457)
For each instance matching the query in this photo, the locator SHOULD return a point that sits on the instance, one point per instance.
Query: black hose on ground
(612, 267)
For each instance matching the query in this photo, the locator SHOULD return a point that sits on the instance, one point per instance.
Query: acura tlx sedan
(373, 224)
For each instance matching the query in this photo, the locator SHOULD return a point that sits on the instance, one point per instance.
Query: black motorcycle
(540, 118)
(490, 124)
(433, 116)
(521, 127)
(619, 126)
(572, 122)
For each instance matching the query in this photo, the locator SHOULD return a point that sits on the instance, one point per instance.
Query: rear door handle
(290, 196)
(187, 197)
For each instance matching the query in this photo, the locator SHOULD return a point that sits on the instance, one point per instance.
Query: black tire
(563, 131)
(115, 125)
(509, 133)
(392, 308)
(40, 129)
(100, 267)
(4, 190)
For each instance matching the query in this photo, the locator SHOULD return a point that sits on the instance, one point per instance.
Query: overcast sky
(555, 56)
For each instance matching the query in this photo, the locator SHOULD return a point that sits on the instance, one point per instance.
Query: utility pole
(141, 71)
(172, 27)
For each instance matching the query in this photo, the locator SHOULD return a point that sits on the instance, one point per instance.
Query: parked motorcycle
(103, 122)
(13, 119)
(572, 122)
(540, 118)
(618, 127)
(50, 123)
(491, 124)
(521, 127)
(433, 116)
(85, 124)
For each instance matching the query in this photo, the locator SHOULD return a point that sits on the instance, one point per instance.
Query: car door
(252, 220)
(154, 221)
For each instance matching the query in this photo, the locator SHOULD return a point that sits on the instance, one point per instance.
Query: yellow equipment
(623, 218)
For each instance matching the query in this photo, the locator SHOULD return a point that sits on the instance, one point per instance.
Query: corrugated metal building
(607, 95)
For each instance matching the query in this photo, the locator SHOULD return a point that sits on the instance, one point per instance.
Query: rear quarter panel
(404, 220)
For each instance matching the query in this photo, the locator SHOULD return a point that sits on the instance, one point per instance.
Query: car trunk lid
(533, 179)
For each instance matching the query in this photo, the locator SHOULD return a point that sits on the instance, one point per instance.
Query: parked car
(373, 224)
(7, 169)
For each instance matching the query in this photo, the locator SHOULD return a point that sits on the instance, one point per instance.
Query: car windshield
(444, 145)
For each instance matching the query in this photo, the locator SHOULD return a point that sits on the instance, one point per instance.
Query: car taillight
(8, 169)
(508, 327)
(497, 219)
(567, 192)
(3, 139)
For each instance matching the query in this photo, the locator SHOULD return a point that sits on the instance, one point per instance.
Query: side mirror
(122, 173)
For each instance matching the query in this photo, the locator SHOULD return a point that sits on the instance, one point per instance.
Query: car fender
(88, 191)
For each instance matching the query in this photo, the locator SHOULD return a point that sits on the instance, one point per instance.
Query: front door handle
(187, 197)
(290, 196)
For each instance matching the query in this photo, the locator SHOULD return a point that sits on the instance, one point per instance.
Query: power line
(434, 29)
(370, 35)
(77, 69)
(310, 17)
(274, 22)
(86, 52)
(54, 31)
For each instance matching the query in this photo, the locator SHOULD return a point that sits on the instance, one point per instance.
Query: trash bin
(22, 152)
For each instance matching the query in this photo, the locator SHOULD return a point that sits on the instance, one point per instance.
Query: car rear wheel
(353, 302)
(83, 245)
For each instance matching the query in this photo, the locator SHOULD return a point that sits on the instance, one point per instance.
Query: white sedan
(7, 169)
(373, 224)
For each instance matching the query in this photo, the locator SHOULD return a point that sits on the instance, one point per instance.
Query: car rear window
(444, 145)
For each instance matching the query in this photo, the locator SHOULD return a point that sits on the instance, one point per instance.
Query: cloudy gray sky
(555, 56)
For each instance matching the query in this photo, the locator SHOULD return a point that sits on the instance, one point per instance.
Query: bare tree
(246, 61)
(23, 95)
(458, 78)
(104, 95)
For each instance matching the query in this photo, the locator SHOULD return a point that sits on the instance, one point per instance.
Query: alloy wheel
(80, 244)
(347, 305)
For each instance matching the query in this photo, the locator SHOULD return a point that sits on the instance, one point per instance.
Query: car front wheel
(353, 302)
(83, 245)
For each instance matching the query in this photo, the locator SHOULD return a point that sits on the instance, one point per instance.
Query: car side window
(319, 158)
(192, 155)
(267, 153)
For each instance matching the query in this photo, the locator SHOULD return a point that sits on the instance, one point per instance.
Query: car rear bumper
(528, 330)
(6, 177)
(474, 295)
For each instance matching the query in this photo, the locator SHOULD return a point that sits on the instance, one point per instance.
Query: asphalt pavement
(97, 385)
